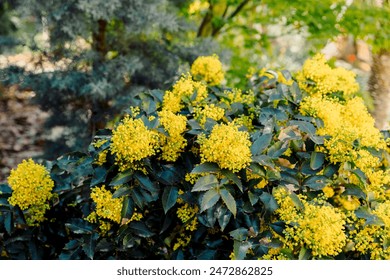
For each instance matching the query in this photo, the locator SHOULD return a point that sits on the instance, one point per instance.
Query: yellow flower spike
(106, 206)
(132, 141)
(31, 190)
(209, 69)
(226, 146)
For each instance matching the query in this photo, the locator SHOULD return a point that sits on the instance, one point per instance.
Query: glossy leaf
(210, 198)
(229, 201)
(169, 197)
(205, 183)
(122, 178)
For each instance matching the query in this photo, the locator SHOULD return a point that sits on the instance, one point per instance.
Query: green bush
(289, 168)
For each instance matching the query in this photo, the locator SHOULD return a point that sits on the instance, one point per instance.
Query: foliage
(99, 55)
(292, 186)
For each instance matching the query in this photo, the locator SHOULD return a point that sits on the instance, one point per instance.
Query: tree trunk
(379, 87)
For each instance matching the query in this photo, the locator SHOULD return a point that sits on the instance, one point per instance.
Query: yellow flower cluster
(182, 241)
(208, 111)
(132, 141)
(317, 77)
(175, 125)
(318, 227)
(245, 120)
(226, 146)
(237, 96)
(209, 69)
(351, 130)
(106, 206)
(31, 190)
(186, 214)
(184, 89)
(372, 239)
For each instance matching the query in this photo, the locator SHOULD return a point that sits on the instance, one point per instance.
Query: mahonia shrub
(287, 168)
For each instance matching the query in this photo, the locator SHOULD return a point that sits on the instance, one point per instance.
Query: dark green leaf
(140, 229)
(233, 177)
(127, 208)
(122, 178)
(8, 222)
(261, 144)
(206, 167)
(99, 176)
(5, 189)
(79, 226)
(317, 182)
(277, 149)
(169, 197)
(209, 199)
(257, 169)
(122, 191)
(145, 182)
(269, 202)
(205, 183)
(304, 254)
(278, 227)
(253, 198)
(223, 216)
(308, 128)
(90, 244)
(229, 201)
(297, 202)
(355, 191)
(316, 160)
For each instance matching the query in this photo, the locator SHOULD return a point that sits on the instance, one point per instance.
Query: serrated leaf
(253, 198)
(239, 234)
(232, 177)
(122, 178)
(169, 197)
(223, 216)
(261, 143)
(145, 182)
(89, 245)
(354, 190)
(206, 167)
(316, 160)
(229, 201)
(209, 199)
(297, 202)
(278, 227)
(205, 183)
(277, 149)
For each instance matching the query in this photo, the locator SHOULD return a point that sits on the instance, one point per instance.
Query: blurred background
(69, 68)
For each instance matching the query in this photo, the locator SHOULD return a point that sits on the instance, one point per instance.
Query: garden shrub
(287, 168)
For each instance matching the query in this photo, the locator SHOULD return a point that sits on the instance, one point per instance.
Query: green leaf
(277, 149)
(8, 222)
(316, 160)
(205, 183)
(206, 167)
(253, 198)
(371, 219)
(223, 216)
(127, 208)
(89, 244)
(269, 202)
(99, 176)
(304, 254)
(317, 182)
(240, 249)
(257, 169)
(140, 229)
(122, 191)
(122, 178)
(354, 190)
(278, 227)
(297, 202)
(145, 182)
(309, 129)
(209, 199)
(239, 234)
(169, 197)
(232, 177)
(261, 144)
(5, 189)
(229, 201)
(79, 226)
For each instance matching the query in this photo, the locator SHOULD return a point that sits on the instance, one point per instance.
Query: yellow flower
(237, 96)
(175, 125)
(209, 69)
(317, 77)
(184, 90)
(31, 189)
(328, 191)
(226, 146)
(106, 206)
(208, 111)
(132, 141)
